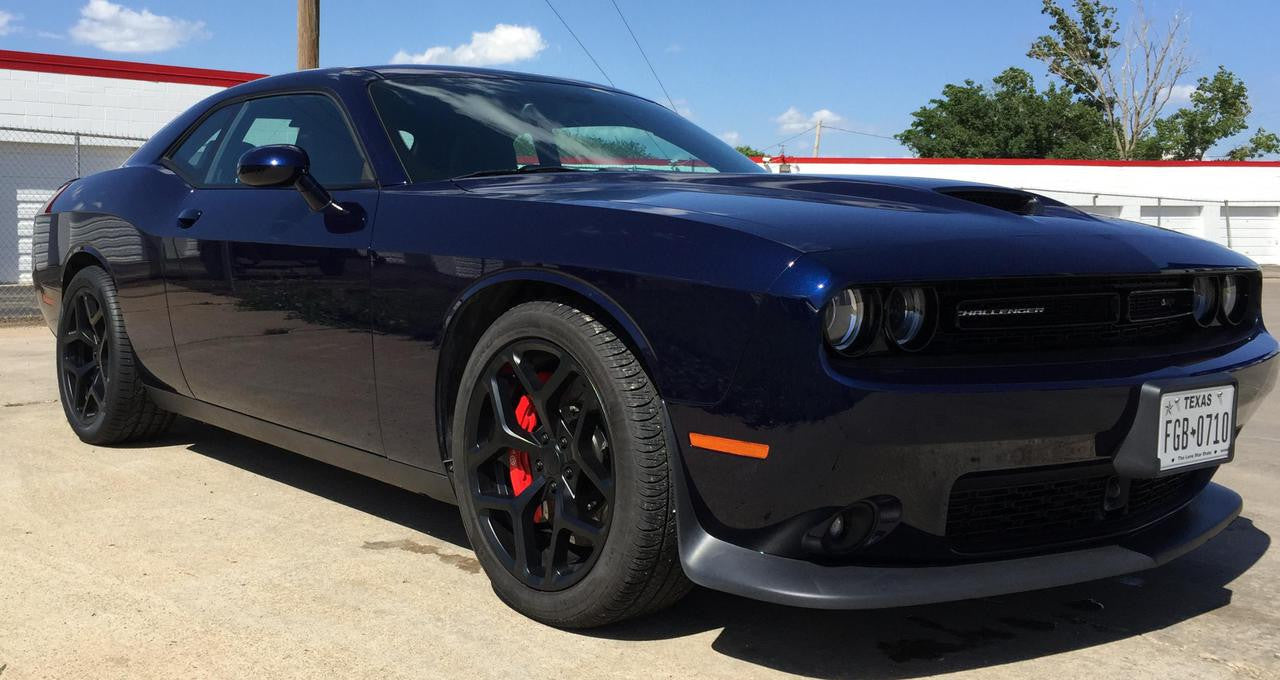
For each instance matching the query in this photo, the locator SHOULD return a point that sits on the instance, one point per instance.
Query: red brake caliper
(518, 461)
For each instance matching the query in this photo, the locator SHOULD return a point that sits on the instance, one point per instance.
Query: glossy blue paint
(346, 328)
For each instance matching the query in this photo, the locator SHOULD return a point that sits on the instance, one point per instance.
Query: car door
(268, 299)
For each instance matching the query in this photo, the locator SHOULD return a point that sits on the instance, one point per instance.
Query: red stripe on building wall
(131, 70)
(834, 160)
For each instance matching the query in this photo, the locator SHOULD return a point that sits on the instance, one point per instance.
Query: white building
(1236, 204)
(63, 117)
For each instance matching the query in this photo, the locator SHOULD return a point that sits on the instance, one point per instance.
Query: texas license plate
(1196, 426)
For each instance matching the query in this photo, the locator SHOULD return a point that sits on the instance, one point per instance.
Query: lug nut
(538, 464)
(573, 409)
(568, 473)
(554, 487)
(564, 441)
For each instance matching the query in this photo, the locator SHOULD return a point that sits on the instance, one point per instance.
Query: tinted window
(194, 156)
(443, 126)
(310, 121)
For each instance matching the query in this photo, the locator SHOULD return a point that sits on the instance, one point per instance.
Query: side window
(310, 121)
(194, 156)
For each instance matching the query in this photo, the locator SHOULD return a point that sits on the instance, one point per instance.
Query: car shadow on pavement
(413, 511)
(919, 641)
(906, 642)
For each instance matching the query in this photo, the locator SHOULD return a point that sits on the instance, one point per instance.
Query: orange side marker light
(735, 447)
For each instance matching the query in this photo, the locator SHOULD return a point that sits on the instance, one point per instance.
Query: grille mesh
(1018, 510)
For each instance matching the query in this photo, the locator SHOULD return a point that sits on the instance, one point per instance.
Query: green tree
(1012, 119)
(747, 150)
(1128, 80)
(1262, 143)
(1219, 110)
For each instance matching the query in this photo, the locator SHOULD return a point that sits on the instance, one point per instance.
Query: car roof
(321, 76)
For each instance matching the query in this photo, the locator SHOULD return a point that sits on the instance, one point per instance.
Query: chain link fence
(33, 164)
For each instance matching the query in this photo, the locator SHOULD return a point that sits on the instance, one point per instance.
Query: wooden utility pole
(817, 139)
(308, 34)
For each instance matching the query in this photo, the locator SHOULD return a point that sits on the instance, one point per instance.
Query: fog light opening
(857, 526)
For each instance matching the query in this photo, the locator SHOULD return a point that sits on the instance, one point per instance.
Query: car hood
(886, 221)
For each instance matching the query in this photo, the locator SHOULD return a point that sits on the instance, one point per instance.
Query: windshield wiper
(523, 170)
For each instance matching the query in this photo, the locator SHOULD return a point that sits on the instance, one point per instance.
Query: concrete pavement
(210, 555)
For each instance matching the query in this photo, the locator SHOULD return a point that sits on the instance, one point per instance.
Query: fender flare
(626, 326)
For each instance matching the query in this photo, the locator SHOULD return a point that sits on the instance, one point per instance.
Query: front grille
(1070, 313)
(1037, 312)
(1007, 511)
(1160, 304)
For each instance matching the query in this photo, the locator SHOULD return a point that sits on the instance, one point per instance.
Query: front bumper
(740, 519)
(719, 565)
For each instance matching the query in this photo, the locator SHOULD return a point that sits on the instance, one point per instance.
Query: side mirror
(279, 165)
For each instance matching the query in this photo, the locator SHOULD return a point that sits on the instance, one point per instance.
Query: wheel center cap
(551, 465)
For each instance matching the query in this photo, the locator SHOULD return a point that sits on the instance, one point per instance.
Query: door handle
(188, 217)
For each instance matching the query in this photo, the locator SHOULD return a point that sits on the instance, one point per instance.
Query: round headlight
(1205, 301)
(846, 318)
(1229, 299)
(905, 316)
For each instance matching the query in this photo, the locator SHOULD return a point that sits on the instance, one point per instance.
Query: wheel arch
(484, 301)
(80, 258)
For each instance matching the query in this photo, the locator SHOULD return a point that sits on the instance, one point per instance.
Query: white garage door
(1254, 229)
(1183, 218)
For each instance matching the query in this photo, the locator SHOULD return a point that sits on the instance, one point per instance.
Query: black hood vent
(1008, 200)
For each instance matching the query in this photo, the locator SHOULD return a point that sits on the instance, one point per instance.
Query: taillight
(48, 206)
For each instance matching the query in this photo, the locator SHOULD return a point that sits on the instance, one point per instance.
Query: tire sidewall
(99, 282)
(602, 580)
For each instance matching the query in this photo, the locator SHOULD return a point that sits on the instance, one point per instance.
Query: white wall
(1235, 205)
(33, 165)
(92, 104)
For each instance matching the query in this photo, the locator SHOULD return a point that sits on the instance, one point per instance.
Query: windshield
(454, 126)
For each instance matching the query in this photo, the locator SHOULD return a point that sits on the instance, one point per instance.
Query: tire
(99, 377)
(619, 557)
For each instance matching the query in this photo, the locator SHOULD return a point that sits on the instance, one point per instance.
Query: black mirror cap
(274, 165)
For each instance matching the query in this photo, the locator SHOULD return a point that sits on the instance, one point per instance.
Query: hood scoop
(1008, 200)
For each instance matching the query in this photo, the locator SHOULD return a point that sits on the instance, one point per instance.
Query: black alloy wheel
(100, 380)
(561, 465)
(540, 464)
(86, 356)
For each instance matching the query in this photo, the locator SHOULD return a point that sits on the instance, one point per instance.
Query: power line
(798, 134)
(584, 47)
(642, 54)
(829, 126)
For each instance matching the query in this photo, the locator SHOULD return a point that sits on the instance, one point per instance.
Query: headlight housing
(1204, 303)
(907, 317)
(1231, 295)
(848, 319)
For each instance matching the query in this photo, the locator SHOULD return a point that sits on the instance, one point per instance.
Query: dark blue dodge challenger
(636, 361)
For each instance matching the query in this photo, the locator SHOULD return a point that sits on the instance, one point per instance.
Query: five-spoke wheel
(85, 355)
(537, 450)
(99, 378)
(561, 471)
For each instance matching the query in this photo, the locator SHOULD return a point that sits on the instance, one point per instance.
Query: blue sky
(762, 70)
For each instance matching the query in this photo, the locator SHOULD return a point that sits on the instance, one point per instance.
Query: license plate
(1196, 426)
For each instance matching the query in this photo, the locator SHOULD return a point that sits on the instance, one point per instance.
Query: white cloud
(8, 22)
(682, 108)
(793, 120)
(505, 44)
(674, 48)
(732, 138)
(1181, 94)
(116, 28)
